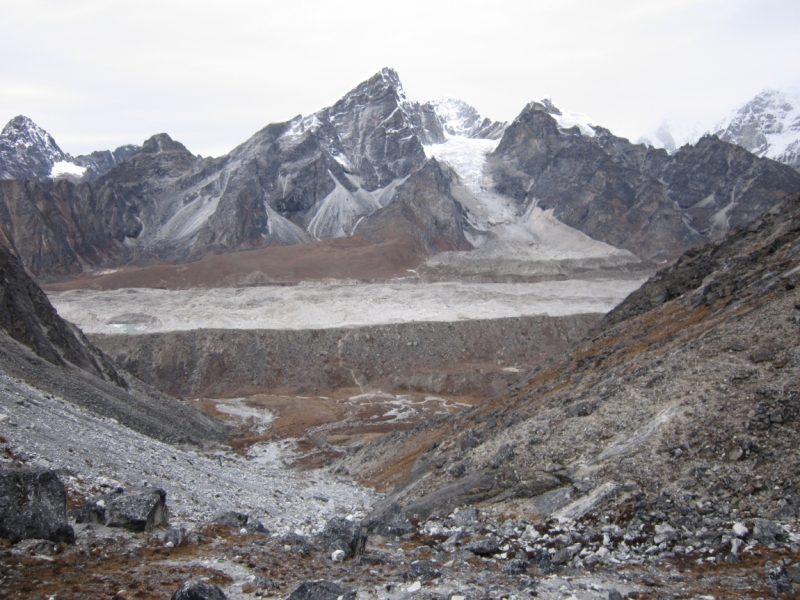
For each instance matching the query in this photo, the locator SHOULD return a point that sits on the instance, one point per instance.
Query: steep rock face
(38, 347)
(688, 390)
(63, 227)
(27, 150)
(631, 196)
(423, 210)
(28, 317)
(379, 131)
(768, 125)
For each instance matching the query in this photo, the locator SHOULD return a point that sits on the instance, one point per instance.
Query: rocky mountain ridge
(340, 171)
(632, 196)
(28, 152)
(767, 125)
(38, 347)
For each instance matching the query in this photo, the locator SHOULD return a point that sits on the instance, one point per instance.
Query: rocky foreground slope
(679, 413)
(38, 348)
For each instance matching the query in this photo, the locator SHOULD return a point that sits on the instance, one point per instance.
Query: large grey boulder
(197, 590)
(342, 534)
(33, 504)
(138, 510)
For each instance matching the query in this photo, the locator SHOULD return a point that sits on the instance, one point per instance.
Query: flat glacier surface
(319, 306)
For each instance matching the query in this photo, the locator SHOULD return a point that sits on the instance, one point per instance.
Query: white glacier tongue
(467, 156)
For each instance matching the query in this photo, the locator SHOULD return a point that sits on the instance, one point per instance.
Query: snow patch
(467, 156)
(64, 168)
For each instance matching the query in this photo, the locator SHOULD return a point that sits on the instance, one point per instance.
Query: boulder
(566, 554)
(421, 570)
(138, 510)
(93, 511)
(768, 532)
(197, 590)
(175, 536)
(778, 579)
(231, 518)
(33, 504)
(466, 517)
(503, 455)
(516, 566)
(321, 590)
(389, 520)
(483, 547)
(345, 535)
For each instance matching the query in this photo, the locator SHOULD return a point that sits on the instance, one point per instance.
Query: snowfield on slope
(139, 310)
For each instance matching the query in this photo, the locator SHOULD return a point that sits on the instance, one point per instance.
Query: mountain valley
(396, 349)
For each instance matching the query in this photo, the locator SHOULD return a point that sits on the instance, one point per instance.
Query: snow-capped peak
(457, 118)
(768, 125)
(670, 136)
(27, 150)
(567, 119)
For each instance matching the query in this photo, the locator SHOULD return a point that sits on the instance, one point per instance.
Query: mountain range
(367, 166)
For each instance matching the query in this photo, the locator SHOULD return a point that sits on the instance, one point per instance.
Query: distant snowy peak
(671, 137)
(768, 125)
(27, 150)
(567, 119)
(457, 118)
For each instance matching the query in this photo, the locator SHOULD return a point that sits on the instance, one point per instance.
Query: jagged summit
(27, 150)
(162, 142)
(457, 118)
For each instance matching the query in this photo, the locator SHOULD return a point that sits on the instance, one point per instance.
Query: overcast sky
(97, 74)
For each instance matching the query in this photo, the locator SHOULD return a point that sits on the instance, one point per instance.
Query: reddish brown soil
(340, 258)
(325, 426)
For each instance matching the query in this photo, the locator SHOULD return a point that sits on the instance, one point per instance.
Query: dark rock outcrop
(388, 519)
(33, 504)
(424, 211)
(39, 347)
(101, 162)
